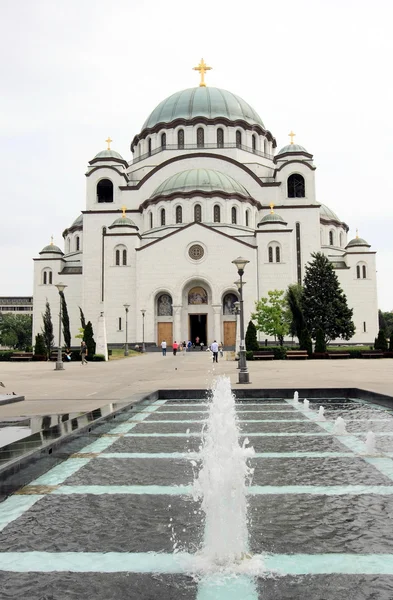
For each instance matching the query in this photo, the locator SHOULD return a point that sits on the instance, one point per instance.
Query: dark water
(281, 523)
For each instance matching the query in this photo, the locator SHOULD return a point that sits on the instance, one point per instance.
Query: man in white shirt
(163, 346)
(214, 349)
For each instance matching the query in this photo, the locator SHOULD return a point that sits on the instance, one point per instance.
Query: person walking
(163, 347)
(221, 349)
(175, 346)
(214, 349)
(84, 353)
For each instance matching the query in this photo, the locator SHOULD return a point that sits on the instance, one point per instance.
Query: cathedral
(151, 252)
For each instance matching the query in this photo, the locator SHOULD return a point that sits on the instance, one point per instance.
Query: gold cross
(357, 233)
(291, 135)
(124, 208)
(51, 240)
(271, 207)
(202, 68)
(108, 141)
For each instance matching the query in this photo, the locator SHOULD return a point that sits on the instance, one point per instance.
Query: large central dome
(208, 102)
(203, 180)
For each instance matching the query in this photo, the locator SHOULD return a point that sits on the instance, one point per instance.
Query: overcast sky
(73, 72)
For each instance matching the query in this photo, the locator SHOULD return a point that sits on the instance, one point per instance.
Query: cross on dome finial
(124, 208)
(291, 135)
(271, 208)
(108, 141)
(357, 234)
(202, 68)
(51, 240)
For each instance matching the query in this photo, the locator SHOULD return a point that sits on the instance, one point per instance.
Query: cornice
(273, 230)
(184, 195)
(106, 167)
(204, 121)
(289, 162)
(284, 154)
(108, 159)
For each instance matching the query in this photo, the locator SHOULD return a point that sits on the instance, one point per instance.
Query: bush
(39, 357)
(305, 342)
(251, 337)
(320, 344)
(249, 355)
(39, 346)
(5, 355)
(381, 342)
(98, 357)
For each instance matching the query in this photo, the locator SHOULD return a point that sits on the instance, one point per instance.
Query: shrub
(381, 342)
(98, 357)
(39, 346)
(249, 355)
(320, 344)
(305, 342)
(251, 337)
(5, 355)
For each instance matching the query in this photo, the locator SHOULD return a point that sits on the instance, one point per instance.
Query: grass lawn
(118, 353)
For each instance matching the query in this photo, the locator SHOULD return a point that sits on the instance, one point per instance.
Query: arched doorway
(197, 314)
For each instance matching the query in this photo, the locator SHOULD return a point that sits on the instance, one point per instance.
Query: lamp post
(240, 264)
(143, 310)
(59, 363)
(126, 306)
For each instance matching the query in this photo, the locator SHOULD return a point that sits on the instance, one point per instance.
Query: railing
(201, 148)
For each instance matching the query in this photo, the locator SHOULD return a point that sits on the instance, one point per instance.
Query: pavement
(82, 388)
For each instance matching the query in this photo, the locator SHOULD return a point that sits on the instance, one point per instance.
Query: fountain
(339, 427)
(296, 398)
(306, 404)
(371, 447)
(320, 415)
(222, 481)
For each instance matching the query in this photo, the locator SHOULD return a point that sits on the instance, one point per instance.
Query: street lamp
(240, 264)
(143, 310)
(126, 306)
(59, 363)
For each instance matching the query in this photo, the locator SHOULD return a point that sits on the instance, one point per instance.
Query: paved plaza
(80, 388)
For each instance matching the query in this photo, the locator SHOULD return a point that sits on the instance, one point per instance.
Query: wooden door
(164, 332)
(229, 333)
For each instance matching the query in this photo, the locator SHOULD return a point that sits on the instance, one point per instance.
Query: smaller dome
(51, 249)
(357, 242)
(273, 218)
(109, 154)
(123, 222)
(328, 213)
(204, 180)
(78, 222)
(294, 148)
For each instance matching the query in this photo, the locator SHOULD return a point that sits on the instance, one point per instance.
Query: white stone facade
(147, 253)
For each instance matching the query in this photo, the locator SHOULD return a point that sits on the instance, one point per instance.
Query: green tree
(16, 331)
(65, 321)
(391, 343)
(47, 331)
(39, 346)
(388, 322)
(89, 339)
(381, 342)
(251, 337)
(272, 316)
(324, 303)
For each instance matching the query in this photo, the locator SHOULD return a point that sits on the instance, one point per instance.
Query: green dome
(295, 148)
(78, 222)
(208, 102)
(51, 249)
(328, 213)
(357, 242)
(109, 154)
(273, 218)
(205, 180)
(123, 222)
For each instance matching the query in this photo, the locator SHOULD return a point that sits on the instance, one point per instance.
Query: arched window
(179, 214)
(278, 257)
(77, 243)
(358, 271)
(234, 214)
(151, 220)
(296, 186)
(45, 278)
(331, 238)
(197, 213)
(120, 255)
(149, 146)
(274, 252)
(117, 258)
(200, 137)
(364, 271)
(270, 254)
(247, 218)
(163, 140)
(217, 213)
(50, 277)
(220, 138)
(180, 139)
(254, 142)
(162, 214)
(105, 191)
(228, 304)
(124, 257)
(341, 239)
(164, 305)
(238, 139)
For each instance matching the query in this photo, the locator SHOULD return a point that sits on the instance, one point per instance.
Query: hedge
(5, 355)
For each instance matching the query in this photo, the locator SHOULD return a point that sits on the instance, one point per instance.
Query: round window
(196, 252)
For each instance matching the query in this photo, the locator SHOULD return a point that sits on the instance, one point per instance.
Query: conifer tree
(381, 342)
(251, 337)
(39, 347)
(88, 337)
(66, 321)
(47, 331)
(324, 303)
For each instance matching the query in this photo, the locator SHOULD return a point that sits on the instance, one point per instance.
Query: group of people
(215, 347)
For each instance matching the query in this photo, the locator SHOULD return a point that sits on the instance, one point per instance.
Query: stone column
(177, 323)
(217, 323)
